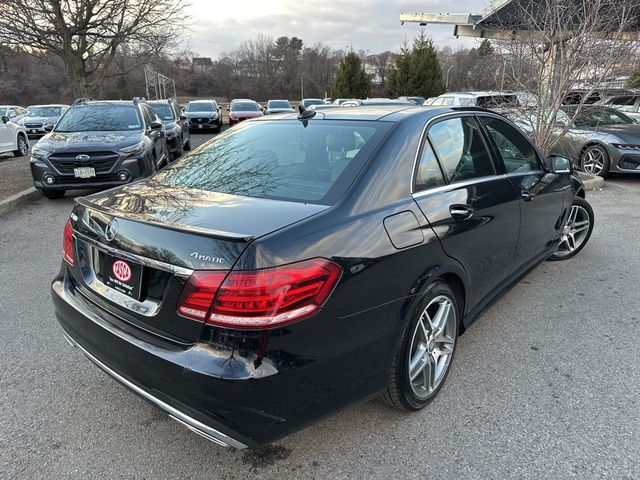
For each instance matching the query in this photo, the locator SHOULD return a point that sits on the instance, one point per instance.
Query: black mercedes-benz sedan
(296, 264)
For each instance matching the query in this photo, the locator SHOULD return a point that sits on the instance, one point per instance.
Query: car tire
(218, 129)
(53, 194)
(421, 364)
(577, 230)
(187, 145)
(177, 154)
(23, 147)
(595, 161)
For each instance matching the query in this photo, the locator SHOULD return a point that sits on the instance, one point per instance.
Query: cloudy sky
(370, 25)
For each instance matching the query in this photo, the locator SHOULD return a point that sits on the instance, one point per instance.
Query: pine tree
(417, 71)
(351, 79)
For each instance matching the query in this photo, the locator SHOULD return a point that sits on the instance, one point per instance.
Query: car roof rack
(80, 100)
(137, 100)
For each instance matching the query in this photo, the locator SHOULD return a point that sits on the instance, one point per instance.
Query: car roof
(202, 101)
(475, 94)
(9, 106)
(243, 100)
(387, 113)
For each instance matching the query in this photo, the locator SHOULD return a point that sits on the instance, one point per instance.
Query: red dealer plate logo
(121, 270)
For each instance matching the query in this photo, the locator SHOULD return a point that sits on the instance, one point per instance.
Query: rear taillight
(67, 243)
(260, 298)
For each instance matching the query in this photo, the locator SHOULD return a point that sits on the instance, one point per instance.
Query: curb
(592, 182)
(14, 201)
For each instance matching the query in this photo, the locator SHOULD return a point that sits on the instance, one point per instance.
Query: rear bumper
(217, 387)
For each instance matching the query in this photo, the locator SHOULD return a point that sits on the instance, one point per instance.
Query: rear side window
(429, 174)
(516, 151)
(311, 162)
(459, 145)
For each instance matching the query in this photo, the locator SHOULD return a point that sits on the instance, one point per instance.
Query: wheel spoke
(429, 375)
(441, 317)
(418, 364)
(581, 228)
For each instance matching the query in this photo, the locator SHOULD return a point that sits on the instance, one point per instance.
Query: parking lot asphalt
(545, 385)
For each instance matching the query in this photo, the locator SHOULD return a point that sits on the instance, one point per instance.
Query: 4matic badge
(207, 258)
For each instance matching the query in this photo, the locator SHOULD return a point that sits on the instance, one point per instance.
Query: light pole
(446, 83)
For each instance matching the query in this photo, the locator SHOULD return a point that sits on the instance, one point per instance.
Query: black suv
(176, 126)
(99, 144)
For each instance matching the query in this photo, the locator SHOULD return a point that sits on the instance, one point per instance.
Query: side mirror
(5, 119)
(560, 164)
(48, 128)
(183, 117)
(155, 126)
(228, 109)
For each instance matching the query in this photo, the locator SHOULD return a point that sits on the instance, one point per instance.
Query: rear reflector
(260, 298)
(67, 243)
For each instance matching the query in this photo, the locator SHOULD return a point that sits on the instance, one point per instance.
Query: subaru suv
(176, 126)
(99, 144)
(40, 118)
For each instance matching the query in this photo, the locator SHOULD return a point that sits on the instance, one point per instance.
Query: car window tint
(516, 151)
(429, 174)
(462, 152)
(625, 104)
(312, 162)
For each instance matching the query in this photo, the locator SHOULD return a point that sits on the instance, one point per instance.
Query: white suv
(13, 138)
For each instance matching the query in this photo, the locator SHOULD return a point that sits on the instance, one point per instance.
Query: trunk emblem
(121, 270)
(111, 230)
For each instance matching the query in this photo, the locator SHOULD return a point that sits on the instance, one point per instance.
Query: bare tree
(88, 35)
(552, 46)
(382, 62)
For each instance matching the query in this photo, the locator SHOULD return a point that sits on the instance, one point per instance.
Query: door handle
(527, 195)
(461, 212)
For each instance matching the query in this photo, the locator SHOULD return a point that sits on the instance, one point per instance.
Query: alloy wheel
(23, 147)
(575, 231)
(593, 161)
(432, 346)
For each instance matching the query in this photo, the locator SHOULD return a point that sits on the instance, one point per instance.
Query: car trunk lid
(162, 234)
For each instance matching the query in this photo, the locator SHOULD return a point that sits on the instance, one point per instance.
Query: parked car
(14, 112)
(417, 100)
(327, 100)
(176, 126)
(295, 265)
(429, 101)
(339, 101)
(241, 109)
(98, 144)
(476, 99)
(13, 138)
(374, 102)
(601, 140)
(627, 104)
(39, 117)
(306, 102)
(592, 97)
(278, 106)
(204, 115)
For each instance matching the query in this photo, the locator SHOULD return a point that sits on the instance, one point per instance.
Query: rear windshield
(100, 118)
(201, 107)
(309, 162)
(591, 118)
(164, 111)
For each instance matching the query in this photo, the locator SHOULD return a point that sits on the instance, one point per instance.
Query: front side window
(100, 118)
(625, 104)
(312, 162)
(595, 117)
(459, 145)
(518, 155)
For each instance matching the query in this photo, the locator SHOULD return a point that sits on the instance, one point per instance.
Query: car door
(542, 194)
(154, 135)
(474, 211)
(6, 135)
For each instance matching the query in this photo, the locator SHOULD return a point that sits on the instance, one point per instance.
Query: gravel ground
(545, 385)
(15, 175)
